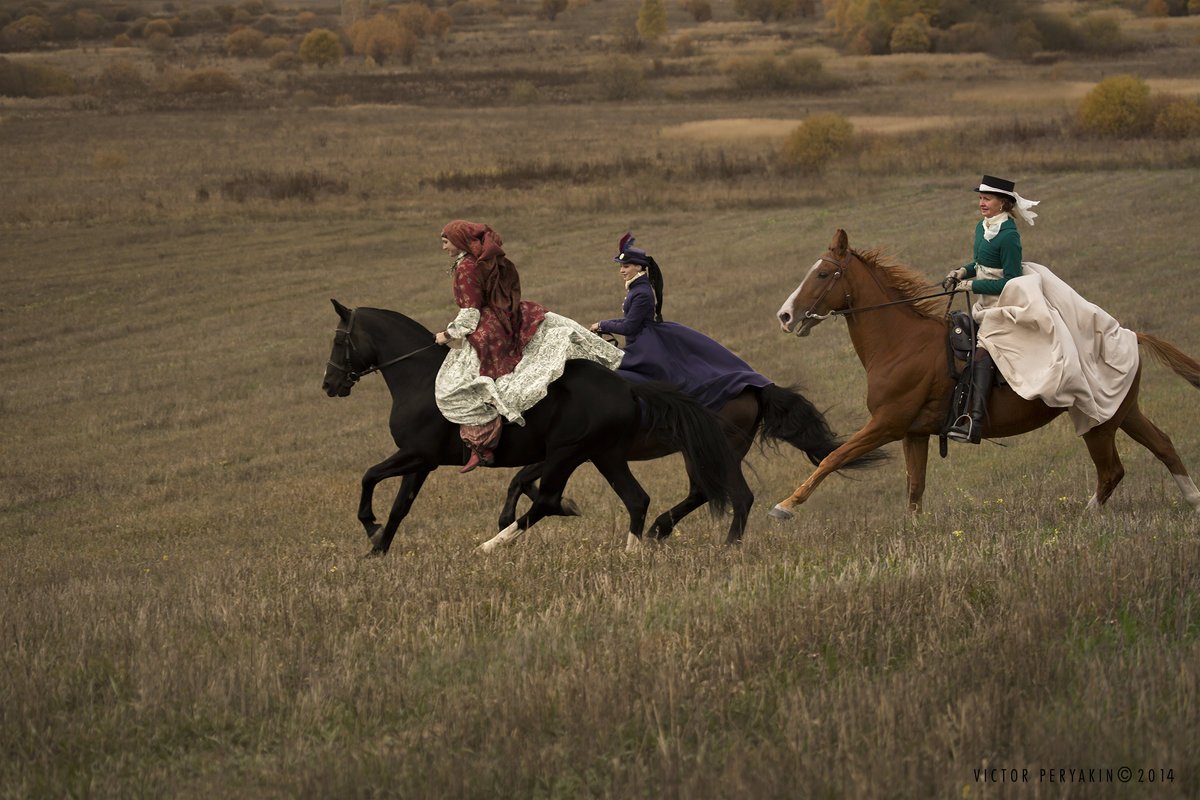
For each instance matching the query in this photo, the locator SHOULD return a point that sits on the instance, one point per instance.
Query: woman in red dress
(517, 347)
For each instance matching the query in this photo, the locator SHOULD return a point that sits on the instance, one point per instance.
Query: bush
(121, 77)
(122, 40)
(911, 36)
(26, 32)
(208, 81)
(768, 74)
(524, 93)
(652, 20)
(321, 47)
(819, 139)
(381, 37)
(157, 26)
(1179, 119)
(683, 47)
(22, 79)
(244, 43)
(701, 10)
(620, 77)
(1101, 33)
(1117, 106)
(286, 60)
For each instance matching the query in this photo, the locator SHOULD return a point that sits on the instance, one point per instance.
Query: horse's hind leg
(548, 501)
(616, 471)
(1101, 445)
(1148, 435)
(664, 523)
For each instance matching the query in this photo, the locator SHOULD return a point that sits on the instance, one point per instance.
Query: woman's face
(990, 205)
(628, 270)
(449, 248)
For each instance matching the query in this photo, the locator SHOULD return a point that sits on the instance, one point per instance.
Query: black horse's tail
(788, 416)
(680, 421)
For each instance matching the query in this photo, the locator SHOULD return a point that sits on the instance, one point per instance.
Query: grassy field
(185, 608)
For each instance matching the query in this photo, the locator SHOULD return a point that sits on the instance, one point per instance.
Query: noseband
(347, 341)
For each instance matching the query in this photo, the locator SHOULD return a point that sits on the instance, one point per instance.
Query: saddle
(960, 352)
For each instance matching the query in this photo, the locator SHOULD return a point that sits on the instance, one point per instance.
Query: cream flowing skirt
(1052, 345)
(467, 398)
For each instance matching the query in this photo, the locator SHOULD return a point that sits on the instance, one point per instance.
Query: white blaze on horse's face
(787, 312)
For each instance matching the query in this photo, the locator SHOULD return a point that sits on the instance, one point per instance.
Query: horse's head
(822, 292)
(350, 357)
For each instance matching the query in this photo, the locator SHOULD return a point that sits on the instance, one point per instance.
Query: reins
(353, 376)
(837, 276)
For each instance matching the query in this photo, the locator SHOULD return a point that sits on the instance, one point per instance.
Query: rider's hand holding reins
(952, 280)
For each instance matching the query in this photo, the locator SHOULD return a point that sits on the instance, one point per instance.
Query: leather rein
(839, 274)
(347, 342)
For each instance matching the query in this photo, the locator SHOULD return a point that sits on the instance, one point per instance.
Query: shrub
(652, 20)
(620, 77)
(381, 37)
(22, 79)
(1117, 106)
(524, 93)
(768, 74)
(122, 40)
(1101, 33)
(1179, 119)
(911, 36)
(321, 47)
(26, 32)
(275, 44)
(819, 139)
(550, 9)
(208, 81)
(157, 26)
(286, 60)
(121, 77)
(244, 42)
(416, 17)
(439, 23)
(306, 20)
(701, 10)
(683, 47)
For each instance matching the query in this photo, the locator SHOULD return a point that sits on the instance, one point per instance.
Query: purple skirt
(677, 355)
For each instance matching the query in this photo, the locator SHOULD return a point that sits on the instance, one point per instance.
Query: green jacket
(1002, 252)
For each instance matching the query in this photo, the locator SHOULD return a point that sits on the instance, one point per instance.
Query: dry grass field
(184, 606)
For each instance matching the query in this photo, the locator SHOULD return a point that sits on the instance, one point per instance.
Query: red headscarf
(501, 283)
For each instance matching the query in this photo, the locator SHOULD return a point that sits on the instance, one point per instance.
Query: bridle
(849, 309)
(342, 337)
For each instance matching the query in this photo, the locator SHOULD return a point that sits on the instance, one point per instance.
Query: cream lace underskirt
(467, 398)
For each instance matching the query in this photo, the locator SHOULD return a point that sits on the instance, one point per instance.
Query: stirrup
(961, 430)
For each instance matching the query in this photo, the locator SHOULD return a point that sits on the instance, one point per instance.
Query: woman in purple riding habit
(667, 351)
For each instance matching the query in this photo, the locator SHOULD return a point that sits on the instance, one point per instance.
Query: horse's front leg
(521, 484)
(395, 464)
(872, 436)
(916, 459)
(410, 487)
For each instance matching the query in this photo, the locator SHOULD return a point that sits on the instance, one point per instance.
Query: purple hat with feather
(629, 254)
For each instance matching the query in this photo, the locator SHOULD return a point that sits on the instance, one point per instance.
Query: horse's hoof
(571, 508)
(779, 512)
(485, 548)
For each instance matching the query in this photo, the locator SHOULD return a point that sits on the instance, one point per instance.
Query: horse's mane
(902, 280)
(395, 317)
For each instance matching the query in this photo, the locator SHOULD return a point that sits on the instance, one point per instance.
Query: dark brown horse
(900, 337)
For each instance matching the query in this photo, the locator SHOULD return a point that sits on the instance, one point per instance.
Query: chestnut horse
(900, 337)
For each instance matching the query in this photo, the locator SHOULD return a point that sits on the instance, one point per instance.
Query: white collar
(629, 282)
(991, 225)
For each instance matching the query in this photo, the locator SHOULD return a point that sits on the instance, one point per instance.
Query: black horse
(770, 414)
(588, 414)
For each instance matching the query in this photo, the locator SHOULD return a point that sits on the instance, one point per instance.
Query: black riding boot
(969, 427)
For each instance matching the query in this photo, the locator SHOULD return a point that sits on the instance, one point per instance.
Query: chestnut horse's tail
(1175, 359)
(788, 416)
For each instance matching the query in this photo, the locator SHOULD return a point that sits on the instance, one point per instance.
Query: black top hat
(993, 185)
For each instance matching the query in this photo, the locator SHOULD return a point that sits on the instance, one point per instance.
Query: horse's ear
(840, 244)
(342, 311)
